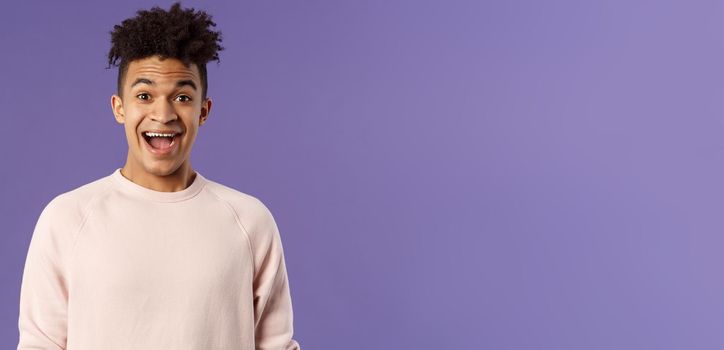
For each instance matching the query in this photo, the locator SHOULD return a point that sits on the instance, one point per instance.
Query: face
(161, 96)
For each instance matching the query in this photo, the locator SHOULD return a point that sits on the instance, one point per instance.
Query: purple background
(445, 174)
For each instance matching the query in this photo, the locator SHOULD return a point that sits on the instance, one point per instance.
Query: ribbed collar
(130, 187)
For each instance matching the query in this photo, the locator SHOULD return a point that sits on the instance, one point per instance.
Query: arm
(42, 320)
(273, 316)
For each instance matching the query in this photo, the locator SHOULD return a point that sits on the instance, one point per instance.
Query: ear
(117, 108)
(205, 110)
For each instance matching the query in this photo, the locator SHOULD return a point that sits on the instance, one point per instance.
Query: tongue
(161, 142)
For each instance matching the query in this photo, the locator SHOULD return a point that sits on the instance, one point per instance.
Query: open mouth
(161, 142)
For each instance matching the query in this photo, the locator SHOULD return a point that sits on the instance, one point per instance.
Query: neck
(177, 180)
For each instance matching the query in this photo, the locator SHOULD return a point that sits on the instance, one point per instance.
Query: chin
(161, 168)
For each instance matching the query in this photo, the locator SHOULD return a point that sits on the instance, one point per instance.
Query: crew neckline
(146, 193)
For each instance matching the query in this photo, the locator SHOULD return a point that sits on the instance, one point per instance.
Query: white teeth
(155, 134)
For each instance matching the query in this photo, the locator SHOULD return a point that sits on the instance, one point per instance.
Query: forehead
(161, 72)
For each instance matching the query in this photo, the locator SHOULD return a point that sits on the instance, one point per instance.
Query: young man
(155, 255)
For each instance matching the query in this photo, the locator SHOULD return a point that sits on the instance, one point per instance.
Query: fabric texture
(115, 265)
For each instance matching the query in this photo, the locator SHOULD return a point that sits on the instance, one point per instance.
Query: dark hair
(177, 33)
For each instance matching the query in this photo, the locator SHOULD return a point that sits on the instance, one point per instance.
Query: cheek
(132, 121)
(193, 133)
(131, 137)
(131, 130)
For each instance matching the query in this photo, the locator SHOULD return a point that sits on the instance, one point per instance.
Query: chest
(164, 254)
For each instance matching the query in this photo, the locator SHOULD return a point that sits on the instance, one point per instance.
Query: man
(155, 255)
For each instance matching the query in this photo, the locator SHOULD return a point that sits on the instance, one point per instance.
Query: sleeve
(273, 315)
(42, 318)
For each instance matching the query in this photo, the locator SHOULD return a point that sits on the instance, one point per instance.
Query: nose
(163, 112)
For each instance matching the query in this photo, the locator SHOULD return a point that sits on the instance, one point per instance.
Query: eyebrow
(179, 83)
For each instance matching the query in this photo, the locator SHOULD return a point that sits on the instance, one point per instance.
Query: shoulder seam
(244, 231)
(87, 211)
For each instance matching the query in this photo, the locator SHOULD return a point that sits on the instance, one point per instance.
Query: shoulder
(68, 209)
(251, 213)
(244, 204)
(255, 220)
(63, 216)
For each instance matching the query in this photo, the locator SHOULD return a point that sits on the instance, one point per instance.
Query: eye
(142, 95)
(187, 99)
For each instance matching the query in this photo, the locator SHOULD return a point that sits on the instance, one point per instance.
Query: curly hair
(177, 33)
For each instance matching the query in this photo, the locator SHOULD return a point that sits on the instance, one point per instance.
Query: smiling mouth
(161, 142)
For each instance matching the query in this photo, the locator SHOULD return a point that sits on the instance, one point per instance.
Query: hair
(178, 33)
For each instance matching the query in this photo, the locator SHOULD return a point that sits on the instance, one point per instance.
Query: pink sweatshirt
(115, 265)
